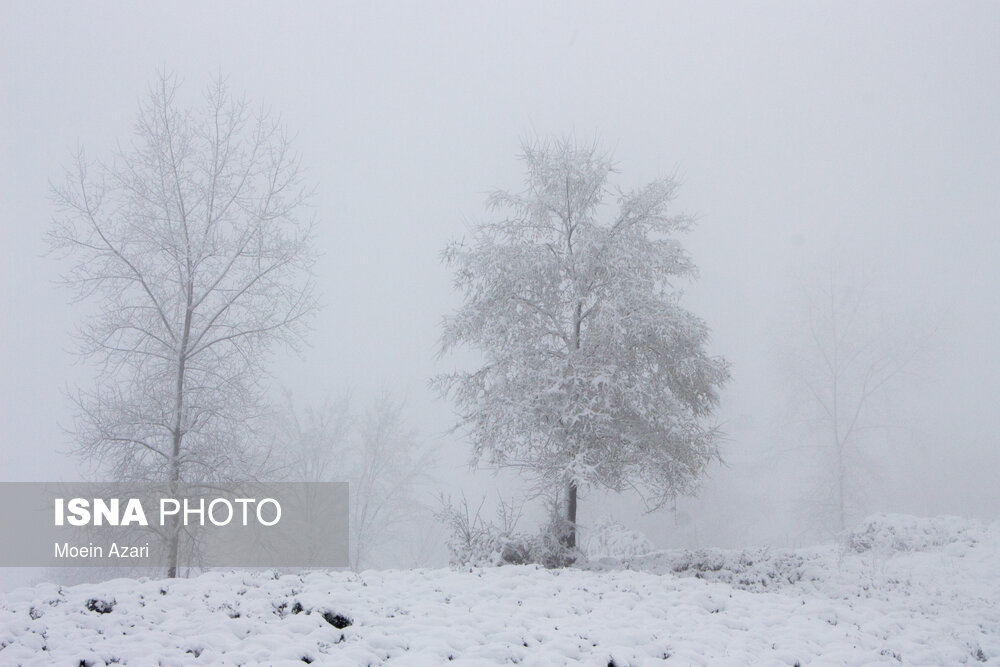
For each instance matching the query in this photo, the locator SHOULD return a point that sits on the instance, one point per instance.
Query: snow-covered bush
(889, 533)
(751, 570)
(756, 570)
(609, 538)
(549, 547)
(476, 541)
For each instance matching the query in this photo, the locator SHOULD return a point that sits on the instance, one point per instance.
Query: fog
(805, 136)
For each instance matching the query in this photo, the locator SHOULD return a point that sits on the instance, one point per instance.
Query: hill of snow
(898, 590)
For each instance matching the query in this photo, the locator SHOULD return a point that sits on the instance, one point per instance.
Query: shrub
(888, 533)
(476, 541)
(609, 538)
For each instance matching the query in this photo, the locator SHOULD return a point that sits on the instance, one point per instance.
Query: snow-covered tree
(593, 373)
(193, 247)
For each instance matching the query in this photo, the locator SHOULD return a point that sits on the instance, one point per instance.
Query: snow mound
(902, 532)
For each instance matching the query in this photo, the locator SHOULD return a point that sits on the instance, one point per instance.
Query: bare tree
(315, 442)
(191, 244)
(379, 455)
(391, 467)
(847, 365)
(593, 373)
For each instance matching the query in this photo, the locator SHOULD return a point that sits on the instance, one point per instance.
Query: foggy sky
(800, 132)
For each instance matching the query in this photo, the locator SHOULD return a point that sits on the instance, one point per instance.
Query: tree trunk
(174, 527)
(174, 530)
(840, 489)
(173, 544)
(571, 515)
(571, 491)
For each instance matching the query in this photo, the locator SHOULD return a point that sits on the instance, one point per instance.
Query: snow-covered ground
(899, 590)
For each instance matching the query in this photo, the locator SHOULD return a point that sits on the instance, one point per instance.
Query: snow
(898, 590)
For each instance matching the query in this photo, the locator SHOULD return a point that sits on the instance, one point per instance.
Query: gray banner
(138, 525)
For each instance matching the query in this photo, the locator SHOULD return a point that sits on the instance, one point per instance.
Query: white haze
(803, 133)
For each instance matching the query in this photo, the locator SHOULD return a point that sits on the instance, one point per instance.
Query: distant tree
(314, 442)
(847, 365)
(386, 465)
(593, 373)
(191, 244)
(391, 468)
